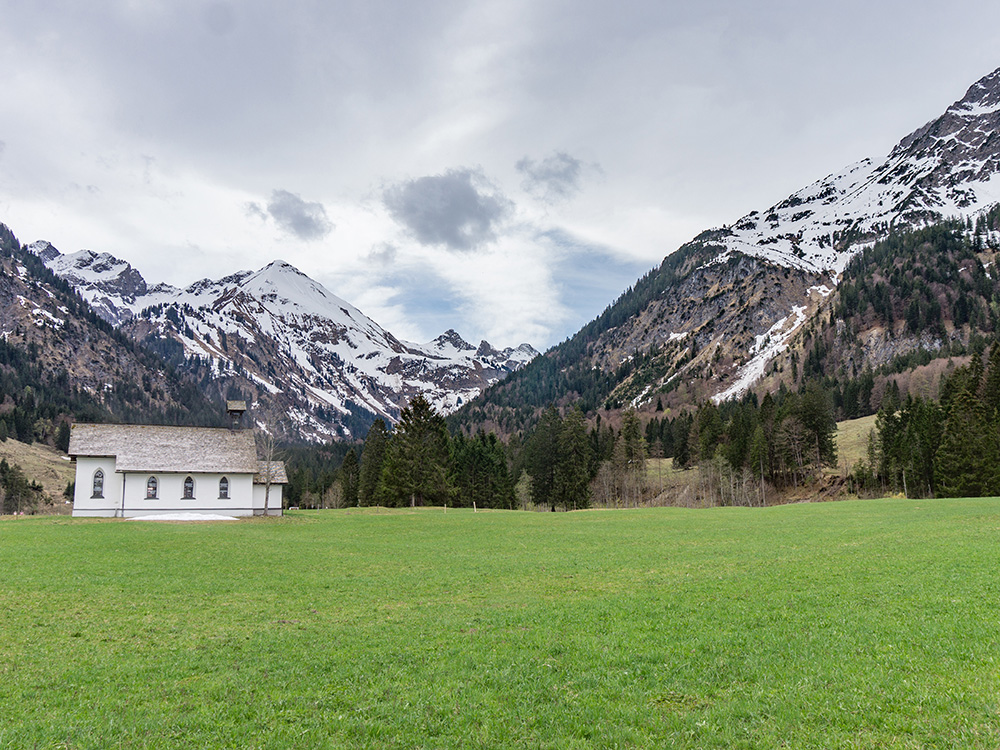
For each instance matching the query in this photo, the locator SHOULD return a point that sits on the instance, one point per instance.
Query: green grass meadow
(864, 624)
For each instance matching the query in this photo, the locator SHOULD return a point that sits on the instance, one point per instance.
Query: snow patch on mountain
(110, 285)
(766, 347)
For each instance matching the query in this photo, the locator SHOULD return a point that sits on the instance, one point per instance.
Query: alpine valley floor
(825, 625)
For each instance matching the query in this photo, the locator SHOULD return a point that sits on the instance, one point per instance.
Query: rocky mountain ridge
(948, 168)
(312, 362)
(60, 360)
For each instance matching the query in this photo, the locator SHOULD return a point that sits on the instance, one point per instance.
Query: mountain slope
(59, 360)
(711, 320)
(947, 168)
(314, 365)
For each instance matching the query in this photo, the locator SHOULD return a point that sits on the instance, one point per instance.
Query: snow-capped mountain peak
(983, 97)
(314, 359)
(109, 284)
(451, 341)
(43, 250)
(947, 168)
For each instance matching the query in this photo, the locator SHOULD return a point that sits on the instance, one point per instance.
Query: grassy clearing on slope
(852, 441)
(47, 466)
(862, 624)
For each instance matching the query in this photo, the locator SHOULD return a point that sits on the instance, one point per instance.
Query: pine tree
(62, 437)
(635, 456)
(684, 437)
(887, 446)
(19, 495)
(739, 433)
(542, 457)
(710, 430)
(921, 422)
(417, 460)
(990, 389)
(975, 372)
(766, 419)
(479, 472)
(816, 414)
(572, 474)
(635, 444)
(757, 458)
(965, 459)
(349, 479)
(372, 458)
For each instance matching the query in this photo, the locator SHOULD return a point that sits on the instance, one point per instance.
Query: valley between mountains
(878, 278)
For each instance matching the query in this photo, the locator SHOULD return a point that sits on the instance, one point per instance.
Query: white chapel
(129, 471)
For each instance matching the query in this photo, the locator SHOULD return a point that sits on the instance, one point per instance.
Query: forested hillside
(905, 308)
(949, 447)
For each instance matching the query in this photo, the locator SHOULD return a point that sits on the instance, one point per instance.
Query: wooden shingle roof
(159, 448)
(276, 469)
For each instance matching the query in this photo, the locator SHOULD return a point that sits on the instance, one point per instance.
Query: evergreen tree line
(741, 448)
(416, 464)
(782, 439)
(944, 448)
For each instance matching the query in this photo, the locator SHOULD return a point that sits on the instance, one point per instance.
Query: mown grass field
(838, 625)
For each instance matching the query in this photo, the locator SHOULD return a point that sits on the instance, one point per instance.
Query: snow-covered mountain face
(948, 168)
(110, 285)
(315, 363)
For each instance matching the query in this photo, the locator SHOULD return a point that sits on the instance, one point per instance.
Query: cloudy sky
(505, 168)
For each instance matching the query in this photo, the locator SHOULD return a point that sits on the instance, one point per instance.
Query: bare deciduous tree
(268, 451)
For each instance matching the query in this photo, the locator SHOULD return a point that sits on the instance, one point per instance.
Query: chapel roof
(162, 448)
(276, 469)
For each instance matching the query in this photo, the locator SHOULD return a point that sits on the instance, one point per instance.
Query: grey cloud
(255, 210)
(457, 209)
(555, 177)
(383, 253)
(219, 18)
(303, 219)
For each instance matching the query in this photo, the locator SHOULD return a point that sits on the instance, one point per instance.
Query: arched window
(188, 488)
(98, 483)
(224, 489)
(151, 488)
